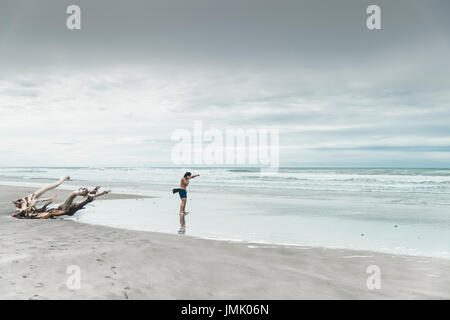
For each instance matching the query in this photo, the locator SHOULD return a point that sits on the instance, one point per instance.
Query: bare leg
(182, 222)
(55, 185)
(182, 208)
(183, 205)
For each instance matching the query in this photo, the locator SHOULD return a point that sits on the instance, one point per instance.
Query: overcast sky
(112, 93)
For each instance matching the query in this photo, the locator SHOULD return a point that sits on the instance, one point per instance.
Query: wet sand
(123, 264)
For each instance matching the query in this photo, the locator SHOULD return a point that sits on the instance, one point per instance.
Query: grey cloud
(21, 92)
(319, 34)
(258, 63)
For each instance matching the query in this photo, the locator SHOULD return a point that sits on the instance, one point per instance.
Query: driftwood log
(27, 208)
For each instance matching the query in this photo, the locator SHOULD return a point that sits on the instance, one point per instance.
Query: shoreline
(118, 263)
(61, 193)
(261, 244)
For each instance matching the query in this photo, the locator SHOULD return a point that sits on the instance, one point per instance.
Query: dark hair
(187, 174)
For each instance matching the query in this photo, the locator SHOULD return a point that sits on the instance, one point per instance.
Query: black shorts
(182, 192)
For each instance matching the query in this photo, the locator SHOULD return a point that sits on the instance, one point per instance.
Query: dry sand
(123, 264)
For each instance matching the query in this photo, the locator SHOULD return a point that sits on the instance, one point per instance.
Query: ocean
(400, 211)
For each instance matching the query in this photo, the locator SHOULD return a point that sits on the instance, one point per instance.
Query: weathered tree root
(26, 208)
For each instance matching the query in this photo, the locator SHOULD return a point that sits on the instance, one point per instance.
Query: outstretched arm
(194, 176)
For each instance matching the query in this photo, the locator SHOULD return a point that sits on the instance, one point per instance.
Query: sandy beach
(125, 264)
